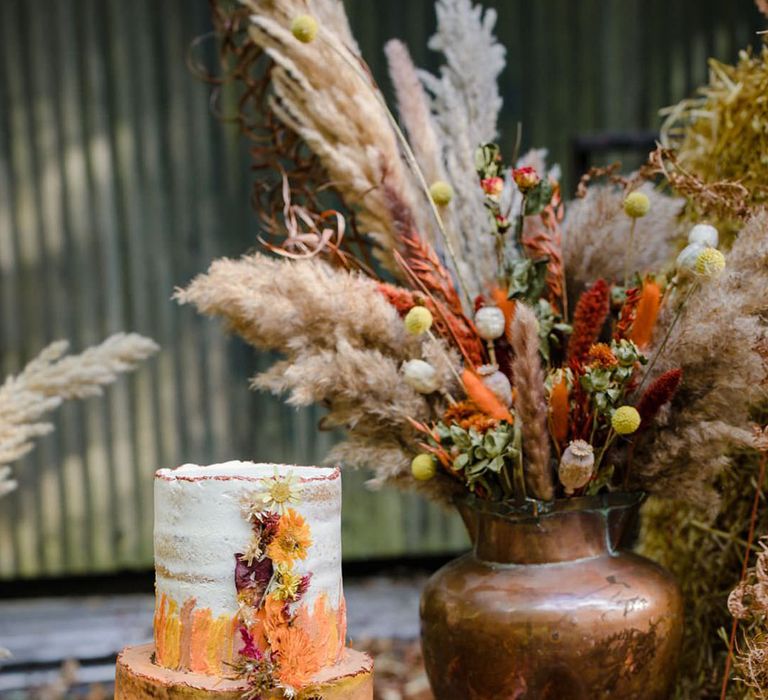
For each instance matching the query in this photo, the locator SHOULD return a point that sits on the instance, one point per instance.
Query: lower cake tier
(138, 678)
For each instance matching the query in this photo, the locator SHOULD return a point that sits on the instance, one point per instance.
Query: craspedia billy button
(423, 467)
(441, 193)
(637, 205)
(304, 28)
(625, 420)
(418, 320)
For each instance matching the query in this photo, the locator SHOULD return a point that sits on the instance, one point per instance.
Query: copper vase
(548, 606)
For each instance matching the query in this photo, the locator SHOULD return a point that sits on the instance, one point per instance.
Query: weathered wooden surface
(42, 633)
(116, 185)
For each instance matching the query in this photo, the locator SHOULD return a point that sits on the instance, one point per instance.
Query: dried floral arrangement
(486, 344)
(469, 331)
(53, 377)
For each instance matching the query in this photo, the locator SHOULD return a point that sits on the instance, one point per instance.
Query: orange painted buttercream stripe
(201, 622)
(159, 628)
(172, 651)
(185, 622)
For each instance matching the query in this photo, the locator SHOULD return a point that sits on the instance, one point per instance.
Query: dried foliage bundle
(53, 377)
(343, 345)
(719, 342)
(718, 136)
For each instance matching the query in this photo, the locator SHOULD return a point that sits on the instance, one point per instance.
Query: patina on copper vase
(548, 606)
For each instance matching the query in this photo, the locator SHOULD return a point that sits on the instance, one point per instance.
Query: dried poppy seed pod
(497, 382)
(686, 260)
(490, 322)
(576, 466)
(705, 235)
(421, 376)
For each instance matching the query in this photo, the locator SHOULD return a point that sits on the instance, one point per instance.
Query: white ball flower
(420, 376)
(490, 322)
(686, 260)
(705, 235)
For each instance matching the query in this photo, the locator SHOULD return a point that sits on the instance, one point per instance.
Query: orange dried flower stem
(558, 411)
(484, 398)
(647, 314)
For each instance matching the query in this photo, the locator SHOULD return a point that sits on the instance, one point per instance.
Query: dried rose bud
(497, 382)
(490, 322)
(525, 178)
(421, 376)
(576, 466)
(492, 186)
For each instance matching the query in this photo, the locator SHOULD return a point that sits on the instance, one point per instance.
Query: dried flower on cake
(292, 539)
(280, 492)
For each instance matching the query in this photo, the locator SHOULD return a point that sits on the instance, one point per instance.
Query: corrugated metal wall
(116, 185)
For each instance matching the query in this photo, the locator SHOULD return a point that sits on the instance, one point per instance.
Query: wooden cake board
(138, 678)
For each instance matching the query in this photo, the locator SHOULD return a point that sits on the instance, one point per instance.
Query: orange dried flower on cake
(298, 657)
(292, 539)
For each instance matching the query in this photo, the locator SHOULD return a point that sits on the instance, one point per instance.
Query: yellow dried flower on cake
(637, 205)
(625, 420)
(287, 582)
(292, 539)
(441, 193)
(304, 28)
(709, 263)
(418, 320)
(423, 467)
(280, 492)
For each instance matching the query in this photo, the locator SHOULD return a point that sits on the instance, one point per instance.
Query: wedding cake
(248, 591)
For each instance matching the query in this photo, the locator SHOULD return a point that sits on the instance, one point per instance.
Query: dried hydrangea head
(710, 262)
(418, 320)
(705, 235)
(625, 420)
(441, 193)
(526, 178)
(576, 466)
(490, 322)
(423, 467)
(421, 376)
(304, 28)
(637, 205)
(497, 382)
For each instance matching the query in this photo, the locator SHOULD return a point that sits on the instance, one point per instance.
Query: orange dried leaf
(484, 398)
(647, 313)
(558, 411)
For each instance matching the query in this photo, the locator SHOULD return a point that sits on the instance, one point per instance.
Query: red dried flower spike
(588, 319)
(661, 391)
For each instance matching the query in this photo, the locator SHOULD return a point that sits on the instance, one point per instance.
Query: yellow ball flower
(441, 193)
(304, 28)
(637, 205)
(709, 263)
(418, 320)
(423, 467)
(626, 420)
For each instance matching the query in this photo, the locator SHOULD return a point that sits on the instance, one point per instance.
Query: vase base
(137, 677)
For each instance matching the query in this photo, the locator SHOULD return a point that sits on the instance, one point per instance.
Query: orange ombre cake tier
(248, 587)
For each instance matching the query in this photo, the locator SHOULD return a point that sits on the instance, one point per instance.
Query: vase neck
(557, 536)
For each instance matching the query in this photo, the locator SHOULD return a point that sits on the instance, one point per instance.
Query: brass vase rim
(532, 509)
